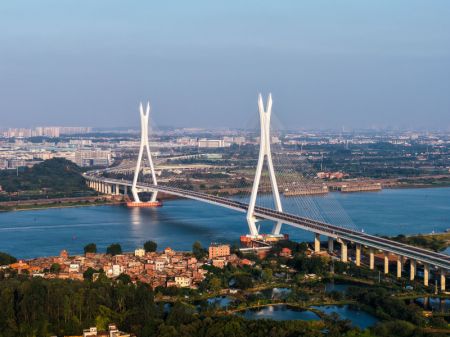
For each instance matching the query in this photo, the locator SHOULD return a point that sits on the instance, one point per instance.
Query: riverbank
(26, 205)
(36, 204)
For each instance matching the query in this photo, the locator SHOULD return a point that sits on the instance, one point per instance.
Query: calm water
(277, 293)
(338, 287)
(434, 303)
(181, 222)
(358, 318)
(280, 313)
(221, 301)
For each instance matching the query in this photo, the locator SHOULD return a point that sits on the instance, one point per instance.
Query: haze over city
(224, 168)
(354, 63)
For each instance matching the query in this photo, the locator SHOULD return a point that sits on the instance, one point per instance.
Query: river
(27, 234)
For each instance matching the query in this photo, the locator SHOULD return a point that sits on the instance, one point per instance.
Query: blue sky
(201, 63)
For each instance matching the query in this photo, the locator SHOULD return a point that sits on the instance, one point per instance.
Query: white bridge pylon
(144, 143)
(264, 153)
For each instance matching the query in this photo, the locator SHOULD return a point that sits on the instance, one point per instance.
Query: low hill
(53, 176)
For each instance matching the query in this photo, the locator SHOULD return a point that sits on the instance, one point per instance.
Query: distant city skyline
(201, 64)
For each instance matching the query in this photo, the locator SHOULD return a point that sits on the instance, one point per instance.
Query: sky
(328, 64)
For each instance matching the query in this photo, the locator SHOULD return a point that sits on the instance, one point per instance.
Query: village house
(158, 269)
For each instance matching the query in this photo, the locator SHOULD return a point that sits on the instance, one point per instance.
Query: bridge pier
(442, 279)
(386, 262)
(316, 243)
(399, 266)
(426, 274)
(412, 269)
(117, 189)
(371, 259)
(330, 245)
(125, 190)
(265, 153)
(358, 255)
(144, 145)
(344, 251)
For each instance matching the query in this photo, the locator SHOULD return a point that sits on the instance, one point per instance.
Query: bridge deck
(412, 252)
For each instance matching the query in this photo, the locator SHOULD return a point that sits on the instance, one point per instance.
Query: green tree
(150, 246)
(214, 283)
(6, 259)
(87, 275)
(267, 274)
(124, 278)
(114, 249)
(90, 248)
(54, 175)
(198, 251)
(243, 281)
(55, 268)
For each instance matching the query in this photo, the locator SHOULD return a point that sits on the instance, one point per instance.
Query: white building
(212, 143)
(86, 158)
(140, 252)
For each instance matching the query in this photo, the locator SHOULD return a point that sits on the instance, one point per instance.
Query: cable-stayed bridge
(431, 261)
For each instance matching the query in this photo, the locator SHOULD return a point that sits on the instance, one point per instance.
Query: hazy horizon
(362, 65)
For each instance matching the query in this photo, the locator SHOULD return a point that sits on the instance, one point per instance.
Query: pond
(220, 301)
(359, 318)
(276, 293)
(433, 303)
(279, 313)
(337, 287)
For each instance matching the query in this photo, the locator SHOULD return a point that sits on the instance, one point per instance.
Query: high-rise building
(86, 158)
(218, 250)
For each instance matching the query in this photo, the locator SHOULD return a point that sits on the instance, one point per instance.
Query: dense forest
(38, 307)
(53, 176)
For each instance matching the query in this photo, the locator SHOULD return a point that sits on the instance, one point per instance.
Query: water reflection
(358, 317)
(337, 287)
(279, 313)
(433, 303)
(277, 293)
(135, 215)
(221, 302)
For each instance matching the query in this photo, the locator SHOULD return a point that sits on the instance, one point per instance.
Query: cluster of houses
(167, 268)
(112, 331)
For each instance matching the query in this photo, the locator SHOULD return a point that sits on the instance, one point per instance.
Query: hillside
(52, 176)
